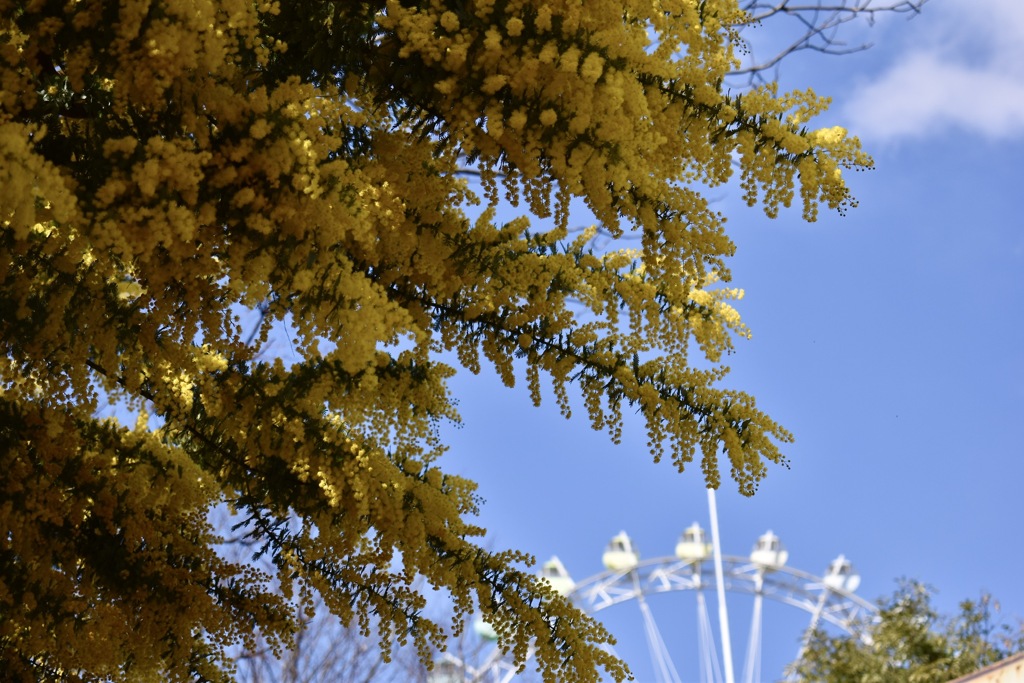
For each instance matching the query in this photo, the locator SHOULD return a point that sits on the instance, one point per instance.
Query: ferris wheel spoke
(659, 652)
(655, 643)
(710, 671)
(752, 666)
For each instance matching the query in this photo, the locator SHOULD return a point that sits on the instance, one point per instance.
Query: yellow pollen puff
(450, 22)
(543, 18)
(303, 280)
(514, 26)
(493, 84)
(259, 130)
(593, 67)
(492, 40)
(518, 119)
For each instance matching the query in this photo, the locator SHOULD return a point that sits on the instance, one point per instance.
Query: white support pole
(723, 613)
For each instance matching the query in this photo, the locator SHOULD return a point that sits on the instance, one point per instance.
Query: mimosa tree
(169, 165)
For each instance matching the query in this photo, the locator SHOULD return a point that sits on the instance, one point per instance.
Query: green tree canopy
(910, 642)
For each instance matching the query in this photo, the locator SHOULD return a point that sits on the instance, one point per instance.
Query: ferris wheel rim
(742, 577)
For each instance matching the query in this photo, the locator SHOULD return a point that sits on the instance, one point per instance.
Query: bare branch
(815, 26)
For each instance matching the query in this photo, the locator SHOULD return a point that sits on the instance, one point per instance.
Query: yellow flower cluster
(192, 186)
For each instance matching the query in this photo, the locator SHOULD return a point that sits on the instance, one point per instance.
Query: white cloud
(963, 72)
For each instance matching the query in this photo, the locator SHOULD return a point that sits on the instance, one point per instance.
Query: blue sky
(889, 341)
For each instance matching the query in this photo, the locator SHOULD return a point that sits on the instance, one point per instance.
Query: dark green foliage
(912, 643)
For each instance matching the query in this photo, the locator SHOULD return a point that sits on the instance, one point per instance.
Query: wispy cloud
(961, 69)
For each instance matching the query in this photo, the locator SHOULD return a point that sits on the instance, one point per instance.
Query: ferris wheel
(697, 566)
